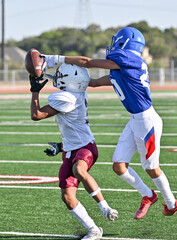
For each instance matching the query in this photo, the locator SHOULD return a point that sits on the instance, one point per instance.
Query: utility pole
(83, 14)
(2, 42)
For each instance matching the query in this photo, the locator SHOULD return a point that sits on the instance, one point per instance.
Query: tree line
(71, 41)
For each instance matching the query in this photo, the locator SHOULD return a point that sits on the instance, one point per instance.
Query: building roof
(14, 54)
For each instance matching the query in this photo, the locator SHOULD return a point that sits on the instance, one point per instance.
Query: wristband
(61, 59)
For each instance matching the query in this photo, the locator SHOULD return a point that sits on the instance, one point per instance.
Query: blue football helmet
(127, 38)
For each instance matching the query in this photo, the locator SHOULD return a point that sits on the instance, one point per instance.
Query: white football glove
(50, 61)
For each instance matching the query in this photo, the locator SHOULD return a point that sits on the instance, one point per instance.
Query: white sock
(80, 212)
(131, 177)
(162, 184)
(103, 205)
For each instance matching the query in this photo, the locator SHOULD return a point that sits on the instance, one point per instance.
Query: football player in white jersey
(78, 143)
(129, 78)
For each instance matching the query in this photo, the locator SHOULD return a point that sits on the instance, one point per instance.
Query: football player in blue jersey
(129, 78)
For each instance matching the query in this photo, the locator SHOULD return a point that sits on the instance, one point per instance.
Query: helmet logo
(119, 38)
(125, 43)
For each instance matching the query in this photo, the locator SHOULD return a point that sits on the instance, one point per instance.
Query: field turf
(36, 211)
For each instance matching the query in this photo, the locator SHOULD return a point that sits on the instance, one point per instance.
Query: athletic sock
(103, 205)
(162, 184)
(81, 214)
(131, 177)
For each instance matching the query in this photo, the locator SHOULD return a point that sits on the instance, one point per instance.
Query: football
(33, 62)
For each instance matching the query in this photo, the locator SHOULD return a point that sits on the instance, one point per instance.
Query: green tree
(72, 41)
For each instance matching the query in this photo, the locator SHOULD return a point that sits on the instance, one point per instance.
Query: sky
(27, 18)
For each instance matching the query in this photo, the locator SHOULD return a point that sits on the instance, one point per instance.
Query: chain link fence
(161, 76)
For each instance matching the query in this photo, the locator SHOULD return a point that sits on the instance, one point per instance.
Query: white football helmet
(72, 78)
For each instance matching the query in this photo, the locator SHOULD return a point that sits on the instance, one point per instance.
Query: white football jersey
(72, 118)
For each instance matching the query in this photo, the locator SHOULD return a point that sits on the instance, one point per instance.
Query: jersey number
(118, 89)
(143, 78)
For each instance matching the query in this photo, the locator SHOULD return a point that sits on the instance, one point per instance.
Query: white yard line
(4, 107)
(80, 189)
(22, 123)
(58, 133)
(111, 95)
(15, 117)
(65, 236)
(110, 116)
(30, 133)
(46, 145)
(60, 162)
(51, 124)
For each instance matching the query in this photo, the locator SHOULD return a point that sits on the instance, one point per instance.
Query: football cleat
(169, 212)
(110, 213)
(145, 204)
(94, 234)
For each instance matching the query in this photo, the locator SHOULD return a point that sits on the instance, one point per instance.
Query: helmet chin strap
(125, 43)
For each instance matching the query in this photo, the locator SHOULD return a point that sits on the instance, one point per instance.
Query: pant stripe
(150, 143)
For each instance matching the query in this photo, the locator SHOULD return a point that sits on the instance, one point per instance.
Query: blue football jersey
(131, 83)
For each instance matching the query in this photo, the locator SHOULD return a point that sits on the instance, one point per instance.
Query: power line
(83, 14)
(147, 7)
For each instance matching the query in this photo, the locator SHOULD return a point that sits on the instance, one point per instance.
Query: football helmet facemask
(72, 78)
(127, 38)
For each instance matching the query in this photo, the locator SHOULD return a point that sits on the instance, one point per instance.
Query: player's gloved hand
(56, 148)
(36, 86)
(50, 61)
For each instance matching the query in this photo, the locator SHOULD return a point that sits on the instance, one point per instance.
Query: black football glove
(56, 148)
(36, 86)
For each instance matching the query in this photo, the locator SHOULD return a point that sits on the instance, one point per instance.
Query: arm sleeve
(119, 57)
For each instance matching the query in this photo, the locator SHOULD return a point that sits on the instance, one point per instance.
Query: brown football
(33, 62)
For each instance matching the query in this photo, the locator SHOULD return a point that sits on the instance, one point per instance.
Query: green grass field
(36, 211)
